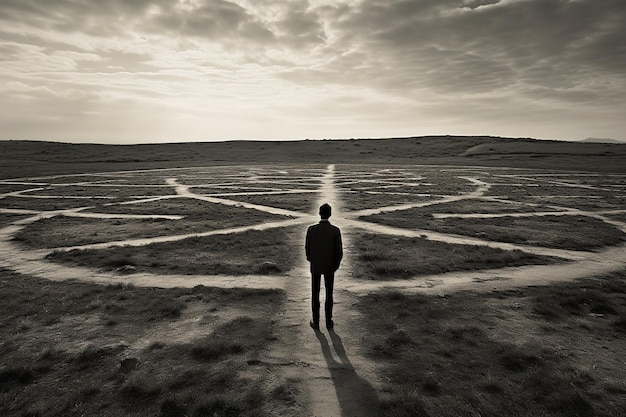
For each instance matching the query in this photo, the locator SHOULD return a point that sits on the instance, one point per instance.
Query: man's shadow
(356, 396)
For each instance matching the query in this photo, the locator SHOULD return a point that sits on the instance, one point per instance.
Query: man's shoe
(330, 324)
(314, 325)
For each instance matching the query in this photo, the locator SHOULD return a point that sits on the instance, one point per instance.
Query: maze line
(464, 240)
(329, 184)
(183, 191)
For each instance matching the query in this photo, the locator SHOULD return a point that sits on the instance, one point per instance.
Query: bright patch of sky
(130, 71)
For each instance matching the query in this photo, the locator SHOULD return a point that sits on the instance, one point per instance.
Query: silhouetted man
(324, 252)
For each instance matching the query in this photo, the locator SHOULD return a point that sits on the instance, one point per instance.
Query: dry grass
(539, 190)
(70, 349)
(591, 203)
(360, 200)
(199, 217)
(563, 232)
(44, 204)
(23, 158)
(538, 351)
(383, 188)
(6, 219)
(251, 252)
(114, 190)
(303, 202)
(486, 206)
(618, 217)
(386, 257)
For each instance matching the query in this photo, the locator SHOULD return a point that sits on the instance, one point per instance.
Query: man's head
(325, 211)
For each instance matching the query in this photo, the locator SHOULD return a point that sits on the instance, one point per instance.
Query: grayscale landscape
(482, 276)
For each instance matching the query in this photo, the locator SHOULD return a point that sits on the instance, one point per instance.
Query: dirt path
(333, 379)
(607, 261)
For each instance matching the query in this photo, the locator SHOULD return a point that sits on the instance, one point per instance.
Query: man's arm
(338, 250)
(307, 245)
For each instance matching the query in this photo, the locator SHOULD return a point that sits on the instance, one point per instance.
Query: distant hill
(545, 148)
(601, 140)
(33, 158)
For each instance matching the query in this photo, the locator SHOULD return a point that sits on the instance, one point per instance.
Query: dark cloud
(219, 21)
(300, 27)
(522, 34)
(98, 18)
(479, 46)
(216, 19)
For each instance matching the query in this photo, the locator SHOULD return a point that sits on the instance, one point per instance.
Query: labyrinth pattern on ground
(242, 226)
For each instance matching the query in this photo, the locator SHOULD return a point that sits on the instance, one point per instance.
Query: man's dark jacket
(323, 247)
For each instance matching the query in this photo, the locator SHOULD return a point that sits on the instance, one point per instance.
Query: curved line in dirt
(585, 263)
(144, 200)
(32, 262)
(464, 240)
(252, 193)
(79, 212)
(481, 189)
(176, 238)
(500, 215)
(608, 261)
(183, 190)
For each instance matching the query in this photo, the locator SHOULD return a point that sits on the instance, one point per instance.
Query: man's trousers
(329, 282)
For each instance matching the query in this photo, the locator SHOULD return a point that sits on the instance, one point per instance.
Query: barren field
(465, 290)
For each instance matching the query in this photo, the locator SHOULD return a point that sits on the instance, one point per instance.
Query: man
(324, 252)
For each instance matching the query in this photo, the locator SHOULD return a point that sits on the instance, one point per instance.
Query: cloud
(389, 62)
(474, 47)
(210, 20)
(90, 17)
(300, 27)
(213, 20)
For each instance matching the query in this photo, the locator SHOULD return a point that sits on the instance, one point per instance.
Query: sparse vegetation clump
(252, 252)
(6, 219)
(124, 350)
(197, 217)
(301, 202)
(243, 334)
(562, 232)
(383, 257)
(536, 351)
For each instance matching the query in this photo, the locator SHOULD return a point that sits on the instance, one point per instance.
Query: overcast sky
(131, 71)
